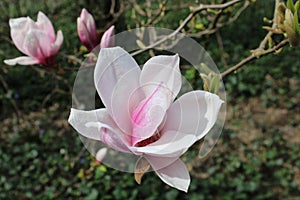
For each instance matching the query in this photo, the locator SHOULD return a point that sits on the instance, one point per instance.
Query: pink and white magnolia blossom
(87, 32)
(141, 116)
(35, 39)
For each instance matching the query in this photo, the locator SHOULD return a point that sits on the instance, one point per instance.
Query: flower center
(149, 140)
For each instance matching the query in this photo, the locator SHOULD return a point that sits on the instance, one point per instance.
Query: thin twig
(221, 47)
(254, 56)
(185, 22)
(137, 8)
(213, 29)
(274, 26)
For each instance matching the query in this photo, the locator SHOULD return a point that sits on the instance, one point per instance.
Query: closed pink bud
(101, 153)
(35, 39)
(107, 40)
(86, 28)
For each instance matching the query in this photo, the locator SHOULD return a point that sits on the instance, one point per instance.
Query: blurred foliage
(42, 157)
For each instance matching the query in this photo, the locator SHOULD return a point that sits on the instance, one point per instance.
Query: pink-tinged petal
(32, 44)
(149, 114)
(162, 69)
(193, 113)
(19, 28)
(98, 125)
(46, 43)
(176, 175)
(170, 144)
(84, 35)
(101, 153)
(125, 98)
(45, 25)
(160, 162)
(91, 27)
(107, 40)
(57, 44)
(112, 67)
(23, 60)
(89, 22)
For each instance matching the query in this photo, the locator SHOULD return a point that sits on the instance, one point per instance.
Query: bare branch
(194, 10)
(216, 24)
(261, 50)
(254, 56)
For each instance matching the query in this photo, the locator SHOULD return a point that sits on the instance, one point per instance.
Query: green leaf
(93, 195)
(296, 24)
(215, 84)
(297, 4)
(290, 5)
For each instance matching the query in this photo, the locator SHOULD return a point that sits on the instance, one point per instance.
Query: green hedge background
(257, 156)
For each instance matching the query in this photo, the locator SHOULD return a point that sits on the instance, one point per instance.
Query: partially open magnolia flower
(87, 32)
(141, 116)
(35, 39)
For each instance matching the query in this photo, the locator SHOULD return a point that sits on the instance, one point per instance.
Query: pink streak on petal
(149, 114)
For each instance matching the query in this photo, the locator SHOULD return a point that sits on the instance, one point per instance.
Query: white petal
(176, 175)
(193, 113)
(116, 79)
(171, 144)
(160, 162)
(161, 69)
(189, 119)
(23, 60)
(98, 125)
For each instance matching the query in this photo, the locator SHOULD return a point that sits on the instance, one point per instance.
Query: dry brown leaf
(141, 167)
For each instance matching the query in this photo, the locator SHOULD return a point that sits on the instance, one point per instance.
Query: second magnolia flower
(35, 39)
(87, 32)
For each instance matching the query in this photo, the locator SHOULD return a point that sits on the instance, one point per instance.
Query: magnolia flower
(141, 116)
(87, 32)
(35, 39)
